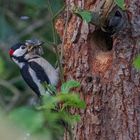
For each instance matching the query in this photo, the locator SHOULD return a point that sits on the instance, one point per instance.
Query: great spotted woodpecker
(34, 69)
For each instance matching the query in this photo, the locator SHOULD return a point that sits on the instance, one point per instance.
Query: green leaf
(65, 88)
(76, 118)
(121, 4)
(28, 118)
(71, 100)
(69, 118)
(50, 89)
(49, 102)
(137, 62)
(85, 15)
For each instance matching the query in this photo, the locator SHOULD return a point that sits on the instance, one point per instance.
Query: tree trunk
(110, 85)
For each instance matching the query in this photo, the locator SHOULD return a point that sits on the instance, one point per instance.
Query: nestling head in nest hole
(115, 22)
(103, 36)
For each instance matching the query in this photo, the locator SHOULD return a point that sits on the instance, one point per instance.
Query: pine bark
(110, 85)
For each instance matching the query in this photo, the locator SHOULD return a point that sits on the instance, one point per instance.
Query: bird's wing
(48, 70)
(41, 76)
(40, 73)
(29, 80)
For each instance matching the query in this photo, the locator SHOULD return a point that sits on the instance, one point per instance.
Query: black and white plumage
(34, 69)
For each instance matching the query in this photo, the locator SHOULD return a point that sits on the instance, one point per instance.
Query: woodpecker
(34, 69)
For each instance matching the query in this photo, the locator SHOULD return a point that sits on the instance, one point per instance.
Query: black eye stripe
(16, 46)
(23, 47)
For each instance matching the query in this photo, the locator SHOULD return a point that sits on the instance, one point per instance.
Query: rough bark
(110, 85)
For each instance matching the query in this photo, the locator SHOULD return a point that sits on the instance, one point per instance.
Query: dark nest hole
(102, 40)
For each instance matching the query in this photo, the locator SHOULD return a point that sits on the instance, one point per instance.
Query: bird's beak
(11, 51)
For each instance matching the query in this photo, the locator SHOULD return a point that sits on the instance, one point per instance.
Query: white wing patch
(38, 83)
(49, 70)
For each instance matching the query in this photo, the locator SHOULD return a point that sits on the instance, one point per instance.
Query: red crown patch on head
(11, 52)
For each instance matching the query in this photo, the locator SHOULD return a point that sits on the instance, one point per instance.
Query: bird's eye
(23, 47)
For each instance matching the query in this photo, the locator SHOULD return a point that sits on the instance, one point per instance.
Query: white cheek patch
(19, 52)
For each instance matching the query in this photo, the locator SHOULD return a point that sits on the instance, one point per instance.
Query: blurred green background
(21, 20)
